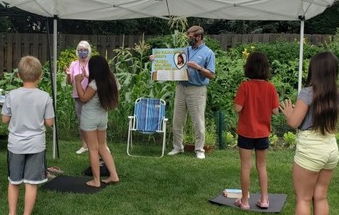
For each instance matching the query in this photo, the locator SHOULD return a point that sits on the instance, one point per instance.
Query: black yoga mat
(71, 184)
(103, 170)
(277, 202)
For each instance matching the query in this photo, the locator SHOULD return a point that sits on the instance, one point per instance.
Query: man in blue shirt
(190, 96)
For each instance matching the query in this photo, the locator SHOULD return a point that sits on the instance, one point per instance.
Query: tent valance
(215, 9)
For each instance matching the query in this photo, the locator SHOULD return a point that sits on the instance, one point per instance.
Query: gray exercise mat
(71, 184)
(277, 202)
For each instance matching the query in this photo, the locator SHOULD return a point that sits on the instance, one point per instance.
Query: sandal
(55, 170)
(262, 205)
(242, 206)
(50, 176)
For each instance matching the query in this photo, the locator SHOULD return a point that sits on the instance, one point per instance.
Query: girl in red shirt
(255, 102)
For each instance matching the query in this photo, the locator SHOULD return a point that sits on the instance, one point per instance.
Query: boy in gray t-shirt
(27, 110)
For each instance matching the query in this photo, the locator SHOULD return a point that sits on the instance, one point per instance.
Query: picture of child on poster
(180, 61)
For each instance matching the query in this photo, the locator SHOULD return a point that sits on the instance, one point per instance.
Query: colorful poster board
(169, 65)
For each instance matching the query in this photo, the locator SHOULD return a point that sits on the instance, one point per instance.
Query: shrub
(210, 134)
(230, 139)
(280, 50)
(290, 140)
(274, 140)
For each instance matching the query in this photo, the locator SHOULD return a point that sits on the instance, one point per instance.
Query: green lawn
(170, 185)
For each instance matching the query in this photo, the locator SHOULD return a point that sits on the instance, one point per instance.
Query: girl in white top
(100, 96)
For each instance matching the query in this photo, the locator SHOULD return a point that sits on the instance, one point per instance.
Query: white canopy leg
(301, 54)
(55, 29)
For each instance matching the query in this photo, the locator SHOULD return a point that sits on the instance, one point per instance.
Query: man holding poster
(190, 95)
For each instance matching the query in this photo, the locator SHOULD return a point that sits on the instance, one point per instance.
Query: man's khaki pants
(191, 100)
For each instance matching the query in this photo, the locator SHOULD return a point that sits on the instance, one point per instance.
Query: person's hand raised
(79, 77)
(286, 107)
(66, 70)
(83, 71)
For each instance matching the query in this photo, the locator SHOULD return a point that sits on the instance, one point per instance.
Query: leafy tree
(325, 23)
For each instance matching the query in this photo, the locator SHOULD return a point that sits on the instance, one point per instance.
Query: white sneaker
(200, 155)
(81, 150)
(175, 151)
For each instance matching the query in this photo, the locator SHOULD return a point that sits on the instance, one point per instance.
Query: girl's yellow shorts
(315, 151)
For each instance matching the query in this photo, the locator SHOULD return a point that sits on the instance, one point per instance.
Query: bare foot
(110, 180)
(92, 183)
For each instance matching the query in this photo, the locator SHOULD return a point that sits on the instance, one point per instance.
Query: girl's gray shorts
(92, 122)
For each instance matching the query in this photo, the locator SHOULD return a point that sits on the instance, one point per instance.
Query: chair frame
(132, 127)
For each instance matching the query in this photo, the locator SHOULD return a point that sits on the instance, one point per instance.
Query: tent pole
(55, 27)
(301, 52)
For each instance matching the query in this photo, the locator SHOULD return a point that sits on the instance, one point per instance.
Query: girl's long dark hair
(257, 66)
(106, 84)
(322, 76)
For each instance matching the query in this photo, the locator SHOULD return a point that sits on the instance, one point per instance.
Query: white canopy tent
(216, 9)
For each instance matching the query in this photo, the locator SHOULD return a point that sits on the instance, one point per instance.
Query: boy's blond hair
(30, 69)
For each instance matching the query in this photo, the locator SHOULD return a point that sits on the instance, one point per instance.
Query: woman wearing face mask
(80, 66)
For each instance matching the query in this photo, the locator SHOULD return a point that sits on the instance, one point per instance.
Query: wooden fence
(13, 45)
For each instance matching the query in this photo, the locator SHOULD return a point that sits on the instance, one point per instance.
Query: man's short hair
(30, 69)
(197, 30)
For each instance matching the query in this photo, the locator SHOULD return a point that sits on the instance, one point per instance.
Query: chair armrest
(130, 117)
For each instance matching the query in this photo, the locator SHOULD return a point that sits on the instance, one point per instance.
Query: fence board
(9, 56)
(35, 46)
(16, 49)
(25, 50)
(2, 51)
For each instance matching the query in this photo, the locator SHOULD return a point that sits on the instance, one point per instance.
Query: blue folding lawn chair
(148, 118)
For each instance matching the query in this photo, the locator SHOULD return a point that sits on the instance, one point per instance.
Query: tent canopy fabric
(215, 9)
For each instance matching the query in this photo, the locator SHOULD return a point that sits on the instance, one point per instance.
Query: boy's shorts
(253, 143)
(26, 168)
(315, 151)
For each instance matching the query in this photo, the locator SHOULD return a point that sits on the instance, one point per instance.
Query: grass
(170, 185)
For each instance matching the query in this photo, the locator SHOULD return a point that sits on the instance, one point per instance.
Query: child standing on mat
(27, 110)
(255, 102)
(100, 96)
(315, 114)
